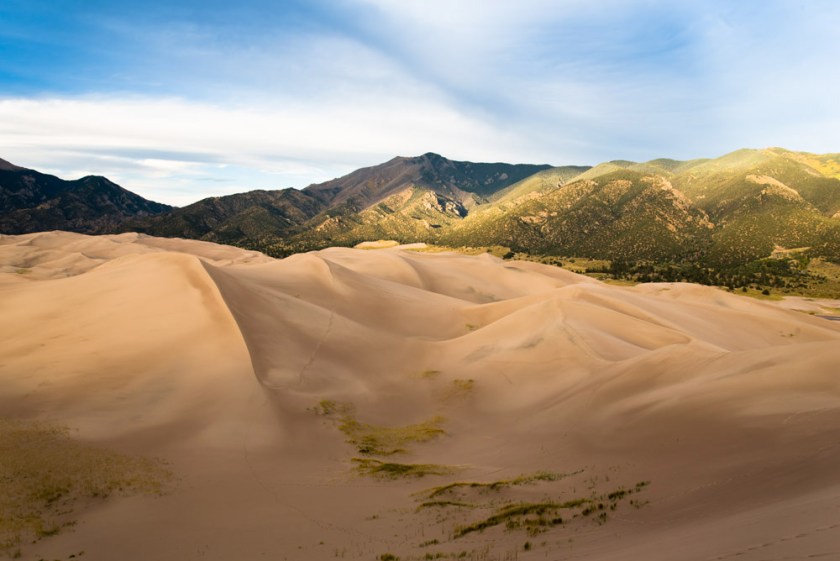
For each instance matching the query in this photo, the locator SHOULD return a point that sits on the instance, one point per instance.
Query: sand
(220, 361)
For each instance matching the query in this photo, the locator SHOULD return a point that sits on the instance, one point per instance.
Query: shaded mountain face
(33, 202)
(243, 218)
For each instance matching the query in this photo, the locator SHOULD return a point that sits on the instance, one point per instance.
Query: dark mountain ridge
(32, 201)
(233, 219)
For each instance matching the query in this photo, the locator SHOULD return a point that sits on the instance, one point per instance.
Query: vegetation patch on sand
(428, 374)
(497, 485)
(375, 440)
(392, 470)
(444, 504)
(329, 408)
(560, 503)
(45, 476)
(512, 515)
(378, 440)
(383, 441)
(537, 517)
(459, 388)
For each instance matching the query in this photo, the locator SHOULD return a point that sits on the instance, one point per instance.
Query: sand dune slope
(691, 423)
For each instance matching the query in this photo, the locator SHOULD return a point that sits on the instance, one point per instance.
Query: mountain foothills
(716, 221)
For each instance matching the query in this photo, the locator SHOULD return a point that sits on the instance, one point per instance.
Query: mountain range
(726, 211)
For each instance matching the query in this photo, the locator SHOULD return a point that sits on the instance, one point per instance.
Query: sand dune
(239, 370)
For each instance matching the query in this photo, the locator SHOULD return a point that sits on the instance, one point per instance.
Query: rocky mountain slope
(404, 197)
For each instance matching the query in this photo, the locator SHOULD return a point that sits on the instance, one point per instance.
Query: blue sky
(179, 100)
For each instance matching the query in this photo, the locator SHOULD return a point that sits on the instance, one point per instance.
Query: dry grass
(375, 440)
(429, 374)
(498, 485)
(459, 389)
(45, 476)
(383, 441)
(378, 440)
(392, 470)
(537, 517)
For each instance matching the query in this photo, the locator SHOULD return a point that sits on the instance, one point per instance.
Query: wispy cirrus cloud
(184, 99)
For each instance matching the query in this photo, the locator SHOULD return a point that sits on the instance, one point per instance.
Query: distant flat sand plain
(295, 399)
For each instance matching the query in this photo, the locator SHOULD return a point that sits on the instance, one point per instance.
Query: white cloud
(289, 145)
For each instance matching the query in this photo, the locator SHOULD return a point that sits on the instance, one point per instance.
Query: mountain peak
(427, 157)
(367, 186)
